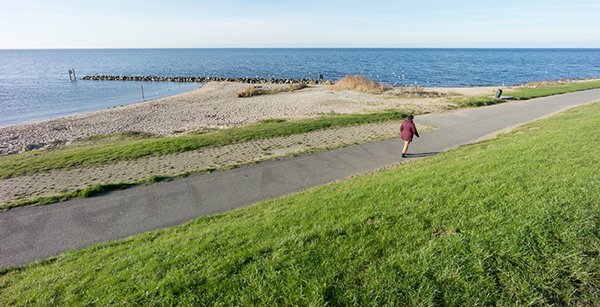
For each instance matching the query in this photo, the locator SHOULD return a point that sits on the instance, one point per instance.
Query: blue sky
(308, 23)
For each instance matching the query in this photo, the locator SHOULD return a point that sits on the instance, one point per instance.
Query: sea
(35, 84)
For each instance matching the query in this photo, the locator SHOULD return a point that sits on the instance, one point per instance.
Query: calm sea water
(34, 84)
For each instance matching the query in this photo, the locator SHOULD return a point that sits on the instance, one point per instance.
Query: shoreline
(67, 114)
(95, 106)
(215, 105)
(212, 106)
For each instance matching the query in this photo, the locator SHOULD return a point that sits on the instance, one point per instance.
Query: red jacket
(408, 129)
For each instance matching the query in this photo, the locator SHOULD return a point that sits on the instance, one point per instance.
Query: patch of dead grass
(258, 90)
(416, 92)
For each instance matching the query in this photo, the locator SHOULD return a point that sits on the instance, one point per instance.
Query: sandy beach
(213, 106)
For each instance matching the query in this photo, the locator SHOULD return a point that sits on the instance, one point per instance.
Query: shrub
(360, 84)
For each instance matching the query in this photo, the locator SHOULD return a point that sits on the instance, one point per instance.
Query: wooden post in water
(142, 87)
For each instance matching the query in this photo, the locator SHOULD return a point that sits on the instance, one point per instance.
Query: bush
(360, 84)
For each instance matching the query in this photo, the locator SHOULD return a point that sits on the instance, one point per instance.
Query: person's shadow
(421, 154)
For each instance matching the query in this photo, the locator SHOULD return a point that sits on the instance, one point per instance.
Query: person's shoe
(403, 155)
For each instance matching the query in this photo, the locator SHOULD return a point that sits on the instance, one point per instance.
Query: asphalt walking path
(29, 234)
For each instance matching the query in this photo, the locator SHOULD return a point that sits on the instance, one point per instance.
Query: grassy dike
(555, 89)
(524, 93)
(509, 221)
(37, 161)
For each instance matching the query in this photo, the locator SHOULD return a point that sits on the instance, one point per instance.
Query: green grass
(475, 101)
(117, 136)
(525, 93)
(555, 89)
(86, 192)
(510, 221)
(37, 161)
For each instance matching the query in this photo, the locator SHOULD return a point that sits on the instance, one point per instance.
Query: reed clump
(360, 84)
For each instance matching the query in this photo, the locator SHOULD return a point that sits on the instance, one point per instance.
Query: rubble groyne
(250, 80)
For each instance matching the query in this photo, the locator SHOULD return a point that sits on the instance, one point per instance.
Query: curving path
(58, 181)
(28, 234)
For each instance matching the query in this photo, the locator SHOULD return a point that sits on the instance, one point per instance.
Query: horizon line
(149, 48)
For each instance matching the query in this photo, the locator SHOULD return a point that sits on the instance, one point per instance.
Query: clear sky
(298, 23)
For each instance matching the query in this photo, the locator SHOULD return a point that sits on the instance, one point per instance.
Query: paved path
(33, 233)
(58, 181)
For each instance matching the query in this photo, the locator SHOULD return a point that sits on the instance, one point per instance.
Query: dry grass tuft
(360, 84)
(416, 92)
(257, 90)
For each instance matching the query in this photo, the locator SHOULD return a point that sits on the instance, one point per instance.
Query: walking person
(408, 130)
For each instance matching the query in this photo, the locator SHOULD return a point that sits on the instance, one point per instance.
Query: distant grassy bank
(553, 89)
(529, 92)
(132, 148)
(509, 221)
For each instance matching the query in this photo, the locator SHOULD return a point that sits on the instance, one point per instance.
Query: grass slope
(88, 191)
(33, 162)
(554, 89)
(525, 93)
(475, 101)
(510, 221)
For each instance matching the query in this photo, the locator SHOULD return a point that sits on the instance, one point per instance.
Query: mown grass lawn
(525, 93)
(555, 89)
(510, 221)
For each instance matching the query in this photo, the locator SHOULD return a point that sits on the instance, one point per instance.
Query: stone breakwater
(254, 80)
